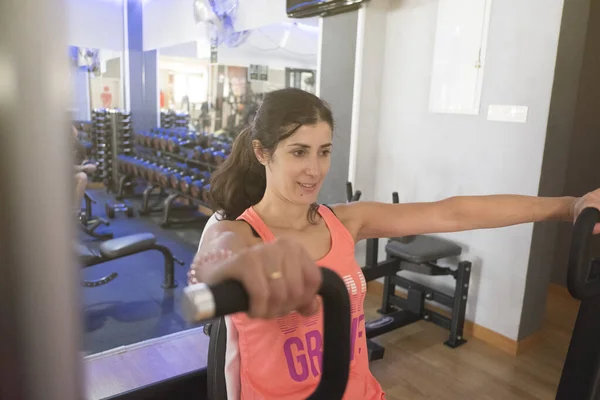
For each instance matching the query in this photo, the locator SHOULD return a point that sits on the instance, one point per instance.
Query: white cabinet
(459, 56)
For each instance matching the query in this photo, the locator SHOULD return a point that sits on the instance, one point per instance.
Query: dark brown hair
(240, 182)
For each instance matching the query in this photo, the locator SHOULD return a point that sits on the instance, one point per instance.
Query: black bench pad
(127, 245)
(85, 255)
(422, 249)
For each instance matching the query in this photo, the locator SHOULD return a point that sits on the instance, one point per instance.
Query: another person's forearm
(494, 211)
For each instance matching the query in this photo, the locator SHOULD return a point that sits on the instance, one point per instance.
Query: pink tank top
(281, 359)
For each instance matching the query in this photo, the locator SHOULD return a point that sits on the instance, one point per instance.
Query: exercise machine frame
(90, 223)
(398, 311)
(123, 247)
(418, 254)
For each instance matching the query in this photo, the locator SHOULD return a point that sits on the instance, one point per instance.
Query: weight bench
(417, 254)
(90, 223)
(123, 247)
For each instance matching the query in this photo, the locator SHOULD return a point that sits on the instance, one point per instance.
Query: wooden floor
(417, 365)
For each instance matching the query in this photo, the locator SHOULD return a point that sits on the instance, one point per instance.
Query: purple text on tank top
(304, 355)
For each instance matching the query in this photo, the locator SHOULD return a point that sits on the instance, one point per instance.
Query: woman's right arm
(221, 241)
(279, 277)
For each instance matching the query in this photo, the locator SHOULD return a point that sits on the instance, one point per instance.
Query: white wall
(370, 52)
(253, 14)
(95, 23)
(169, 23)
(428, 157)
(178, 19)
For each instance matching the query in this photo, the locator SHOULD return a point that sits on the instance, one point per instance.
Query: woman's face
(300, 163)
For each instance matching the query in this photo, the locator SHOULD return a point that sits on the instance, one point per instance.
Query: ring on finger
(275, 275)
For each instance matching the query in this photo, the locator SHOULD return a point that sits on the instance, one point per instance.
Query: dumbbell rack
(101, 144)
(166, 118)
(146, 146)
(176, 192)
(174, 151)
(131, 175)
(182, 120)
(173, 119)
(122, 137)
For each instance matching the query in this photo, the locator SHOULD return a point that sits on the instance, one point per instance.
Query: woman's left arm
(461, 213)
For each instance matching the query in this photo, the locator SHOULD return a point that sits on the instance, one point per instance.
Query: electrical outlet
(507, 113)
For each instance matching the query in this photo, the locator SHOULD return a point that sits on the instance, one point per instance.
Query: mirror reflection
(159, 92)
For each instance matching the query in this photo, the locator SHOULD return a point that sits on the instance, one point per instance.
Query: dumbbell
(226, 148)
(181, 132)
(158, 139)
(207, 155)
(174, 179)
(186, 181)
(185, 184)
(197, 154)
(153, 173)
(179, 171)
(221, 145)
(145, 139)
(134, 165)
(163, 177)
(171, 134)
(196, 189)
(149, 139)
(121, 163)
(205, 192)
(175, 143)
(219, 157)
(140, 139)
(216, 144)
(205, 176)
(204, 140)
(129, 167)
(160, 143)
(141, 167)
(151, 135)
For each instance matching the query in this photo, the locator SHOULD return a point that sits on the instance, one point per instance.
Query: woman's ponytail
(240, 181)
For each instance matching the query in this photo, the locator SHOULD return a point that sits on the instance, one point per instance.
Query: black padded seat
(422, 249)
(217, 347)
(126, 245)
(85, 255)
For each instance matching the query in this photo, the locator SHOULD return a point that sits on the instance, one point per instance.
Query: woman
(273, 235)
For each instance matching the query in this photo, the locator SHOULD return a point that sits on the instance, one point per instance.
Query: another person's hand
(89, 168)
(590, 200)
(280, 277)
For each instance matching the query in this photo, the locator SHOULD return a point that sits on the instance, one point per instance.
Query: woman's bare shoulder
(238, 227)
(347, 213)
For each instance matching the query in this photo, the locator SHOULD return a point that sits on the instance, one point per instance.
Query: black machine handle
(348, 190)
(356, 196)
(350, 194)
(202, 302)
(583, 279)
